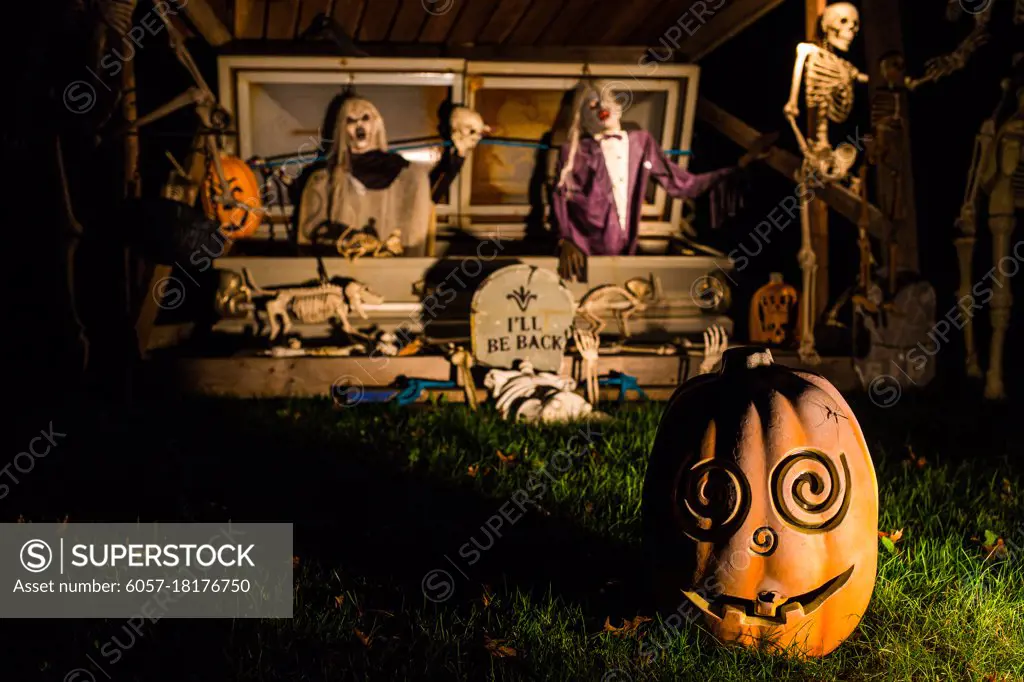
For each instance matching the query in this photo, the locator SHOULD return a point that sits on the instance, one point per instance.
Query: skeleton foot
(994, 389)
(808, 355)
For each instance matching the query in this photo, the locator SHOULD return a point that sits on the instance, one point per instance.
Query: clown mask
(599, 112)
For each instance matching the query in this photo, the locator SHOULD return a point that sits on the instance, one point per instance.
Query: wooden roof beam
(201, 15)
(845, 202)
(715, 22)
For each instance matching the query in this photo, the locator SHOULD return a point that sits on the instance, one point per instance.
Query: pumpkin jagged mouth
(767, 611)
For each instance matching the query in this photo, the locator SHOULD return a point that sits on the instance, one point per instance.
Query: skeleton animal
(622, 302)
(324, 302)
(829, 82)
(355, 243)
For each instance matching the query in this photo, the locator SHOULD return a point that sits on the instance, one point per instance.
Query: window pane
(289, 117)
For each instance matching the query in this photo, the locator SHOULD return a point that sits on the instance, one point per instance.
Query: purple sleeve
(680, 183)
(570, 204)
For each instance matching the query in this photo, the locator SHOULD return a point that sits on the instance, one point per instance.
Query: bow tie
(608, 136)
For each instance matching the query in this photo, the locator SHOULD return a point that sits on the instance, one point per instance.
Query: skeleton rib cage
(829, 84)
(316, 306)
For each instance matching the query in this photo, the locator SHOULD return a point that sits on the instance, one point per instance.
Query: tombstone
(522, 312)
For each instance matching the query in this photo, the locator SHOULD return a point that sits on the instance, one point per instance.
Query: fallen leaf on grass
(914, 460)
(339, 600)
(506, 459)
(486, 597)
(473, 468)
(994, 547)
(890, 539)
(362, 637)
(589, 507)
(498, 649)
(628, 626)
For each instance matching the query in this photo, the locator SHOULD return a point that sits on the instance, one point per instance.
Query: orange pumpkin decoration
(760, 506)
(241, 219)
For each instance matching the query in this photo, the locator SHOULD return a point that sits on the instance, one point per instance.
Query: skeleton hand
(715, 343)
(587, 343)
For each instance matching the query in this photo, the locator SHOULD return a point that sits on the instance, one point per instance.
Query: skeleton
(829, 83)
(622, 302)
(525, 395)
(998, 169)
(716, 342)
(468, 128)
(355, 243)
(325, 302)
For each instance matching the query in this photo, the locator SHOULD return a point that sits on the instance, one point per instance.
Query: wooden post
(818, 209)
(883, 32)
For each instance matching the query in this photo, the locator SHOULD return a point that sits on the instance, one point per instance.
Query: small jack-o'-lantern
(760, 507)
(771, 311)
(239, 209)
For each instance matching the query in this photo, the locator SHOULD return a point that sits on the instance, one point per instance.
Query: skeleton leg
(593, 319)
(965, 253)
(275, 308)
(809, 270)
(1001, 226)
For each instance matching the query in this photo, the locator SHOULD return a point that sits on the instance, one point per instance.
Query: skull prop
(841, 22)
(468, 128)
(361, 126)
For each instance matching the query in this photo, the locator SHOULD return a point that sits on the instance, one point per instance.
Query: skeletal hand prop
(468, 128)
(588, 343)
(716, 340)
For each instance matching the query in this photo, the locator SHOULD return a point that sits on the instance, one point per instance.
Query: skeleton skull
(362, 125)
(468, 128)
(841, 22)
(599, 111)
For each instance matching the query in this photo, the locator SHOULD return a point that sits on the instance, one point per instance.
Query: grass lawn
(406, 569)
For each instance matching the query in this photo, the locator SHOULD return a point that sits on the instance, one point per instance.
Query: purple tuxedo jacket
(587, 217)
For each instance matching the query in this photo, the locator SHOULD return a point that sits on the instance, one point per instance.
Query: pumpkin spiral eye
(809, 492)
(715, 498)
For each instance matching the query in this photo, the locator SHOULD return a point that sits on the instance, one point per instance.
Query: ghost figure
(468, 128)
(529, 396)
(366, 187)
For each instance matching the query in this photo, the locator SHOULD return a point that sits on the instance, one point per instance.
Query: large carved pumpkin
(240, 220)
(760, 507)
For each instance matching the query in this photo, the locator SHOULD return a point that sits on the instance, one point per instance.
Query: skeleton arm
(792, 108)
(948, 64)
